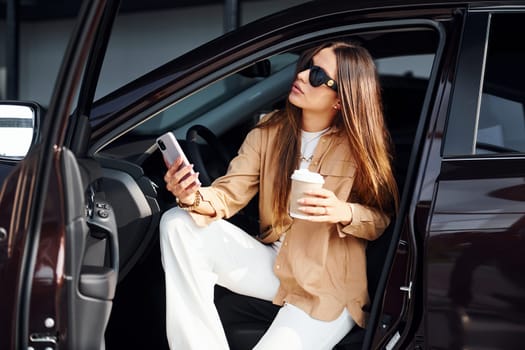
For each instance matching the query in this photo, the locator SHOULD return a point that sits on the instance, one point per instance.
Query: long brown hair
(361, 119)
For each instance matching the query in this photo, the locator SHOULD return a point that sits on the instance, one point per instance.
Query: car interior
(211, 124)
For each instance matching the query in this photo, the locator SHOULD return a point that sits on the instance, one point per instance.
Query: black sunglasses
(319, 77)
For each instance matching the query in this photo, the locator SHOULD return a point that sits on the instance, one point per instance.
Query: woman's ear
(337, 105)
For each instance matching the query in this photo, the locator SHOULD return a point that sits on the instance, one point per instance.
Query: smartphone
(171, 150)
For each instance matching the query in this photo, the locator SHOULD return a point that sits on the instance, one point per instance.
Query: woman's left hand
(322, 205)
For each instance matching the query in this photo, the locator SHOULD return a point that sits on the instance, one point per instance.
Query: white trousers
(196, 258)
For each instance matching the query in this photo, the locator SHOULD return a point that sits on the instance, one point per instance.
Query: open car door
(58, 246)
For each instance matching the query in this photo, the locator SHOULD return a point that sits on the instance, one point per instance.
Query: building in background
(45, 25)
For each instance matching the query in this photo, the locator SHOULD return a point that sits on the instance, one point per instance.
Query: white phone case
(171, 149)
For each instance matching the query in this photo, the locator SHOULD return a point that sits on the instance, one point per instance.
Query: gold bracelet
(192, 206)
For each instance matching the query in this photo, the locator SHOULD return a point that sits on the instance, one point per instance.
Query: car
(83, 192)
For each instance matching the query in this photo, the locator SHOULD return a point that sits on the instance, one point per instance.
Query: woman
(315, 267)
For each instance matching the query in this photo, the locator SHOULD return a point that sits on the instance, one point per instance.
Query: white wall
(141, 41)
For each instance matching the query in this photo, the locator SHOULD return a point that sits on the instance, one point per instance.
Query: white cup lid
(307, 176)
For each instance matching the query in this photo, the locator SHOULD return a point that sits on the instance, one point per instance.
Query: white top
(309, 141)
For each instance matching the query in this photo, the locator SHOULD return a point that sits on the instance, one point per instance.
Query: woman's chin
(294, 100)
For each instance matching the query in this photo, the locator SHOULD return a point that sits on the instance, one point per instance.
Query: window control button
(103, 213)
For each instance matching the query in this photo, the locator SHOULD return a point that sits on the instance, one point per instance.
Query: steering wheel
(195, 156)
(246, 218)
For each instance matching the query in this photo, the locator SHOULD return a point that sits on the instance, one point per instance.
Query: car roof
(379, 4)
(320, 8)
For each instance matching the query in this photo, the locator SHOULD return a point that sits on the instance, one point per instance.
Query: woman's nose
(303, 75)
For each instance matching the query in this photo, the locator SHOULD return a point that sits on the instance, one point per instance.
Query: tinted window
(232, 105)
(218, 102)
(501, 124)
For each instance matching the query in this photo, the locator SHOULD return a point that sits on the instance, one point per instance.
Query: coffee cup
(303, 180)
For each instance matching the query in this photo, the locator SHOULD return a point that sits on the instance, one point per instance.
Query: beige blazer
(321, 266)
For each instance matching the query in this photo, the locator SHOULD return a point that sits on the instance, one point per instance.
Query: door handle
(101, 281)
(43, 338)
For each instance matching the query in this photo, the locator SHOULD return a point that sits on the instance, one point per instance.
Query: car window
(418, 66)
(206, 103)
(232, 105)
(501, 120)
(403, 76)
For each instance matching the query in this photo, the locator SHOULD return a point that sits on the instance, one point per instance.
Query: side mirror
(19, 123)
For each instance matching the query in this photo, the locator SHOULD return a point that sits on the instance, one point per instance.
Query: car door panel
(59, 259)
(43, 217)
(62, 276)
(474, 237)
(474, 254)
(15, 199)
(135, 202)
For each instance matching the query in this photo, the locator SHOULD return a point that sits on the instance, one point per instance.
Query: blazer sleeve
(367, 223)
(231, 192)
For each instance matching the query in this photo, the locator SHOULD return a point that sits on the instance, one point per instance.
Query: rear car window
(501, 123)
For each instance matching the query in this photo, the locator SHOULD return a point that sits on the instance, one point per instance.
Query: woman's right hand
(181, 181)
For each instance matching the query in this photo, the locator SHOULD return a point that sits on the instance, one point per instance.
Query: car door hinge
(407, 289)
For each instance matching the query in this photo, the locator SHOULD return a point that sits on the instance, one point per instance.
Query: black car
(79, 214)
